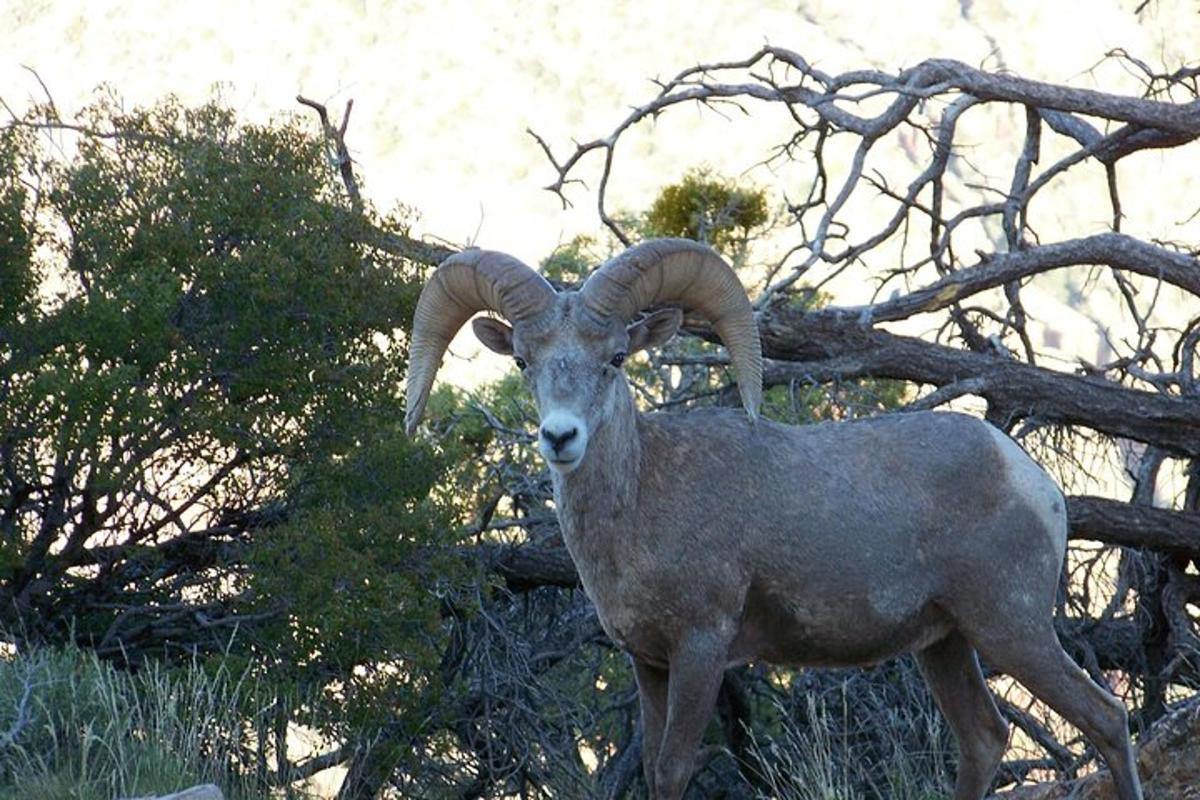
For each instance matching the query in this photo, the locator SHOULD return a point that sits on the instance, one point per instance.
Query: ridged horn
(687, 273)
(463, 285)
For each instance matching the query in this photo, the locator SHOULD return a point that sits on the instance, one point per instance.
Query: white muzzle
(562, 440)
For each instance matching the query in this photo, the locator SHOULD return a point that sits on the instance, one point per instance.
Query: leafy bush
(202, 351)
(708, 209)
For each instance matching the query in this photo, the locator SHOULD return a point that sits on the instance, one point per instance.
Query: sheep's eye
(618, 360)
(521, 363)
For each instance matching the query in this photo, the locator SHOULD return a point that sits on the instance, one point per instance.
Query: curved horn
(464, 284)
(693, 275)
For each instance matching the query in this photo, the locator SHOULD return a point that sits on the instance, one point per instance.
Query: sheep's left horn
(463, 285)
(680, 271)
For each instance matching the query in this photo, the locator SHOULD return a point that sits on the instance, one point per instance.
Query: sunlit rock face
(205, 791)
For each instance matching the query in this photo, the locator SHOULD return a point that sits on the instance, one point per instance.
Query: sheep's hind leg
(952, 672)
(1036, 659)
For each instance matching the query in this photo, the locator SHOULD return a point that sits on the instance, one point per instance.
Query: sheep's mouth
(564, 465)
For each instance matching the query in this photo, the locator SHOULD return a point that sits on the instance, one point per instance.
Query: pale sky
(444, 91)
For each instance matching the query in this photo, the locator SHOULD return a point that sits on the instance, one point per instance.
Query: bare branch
(335, 141)
(828, 348)
(1110, 249)
(20, 716)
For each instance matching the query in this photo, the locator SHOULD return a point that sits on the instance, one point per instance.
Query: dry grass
(818, 756)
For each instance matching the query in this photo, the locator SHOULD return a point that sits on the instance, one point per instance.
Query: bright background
(444, 91)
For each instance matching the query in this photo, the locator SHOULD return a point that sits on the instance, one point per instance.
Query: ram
(712, 538)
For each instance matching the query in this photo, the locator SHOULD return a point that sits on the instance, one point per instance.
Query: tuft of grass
(74, 728)
(816, 757)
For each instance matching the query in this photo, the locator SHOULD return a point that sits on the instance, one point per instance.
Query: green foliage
(201, 355)
(573, 261)
(85, 730)
(708, 209)
(18, 279)
(206, 276)
(701, 206)
(802, 403)
(483, 434)
(358, 593)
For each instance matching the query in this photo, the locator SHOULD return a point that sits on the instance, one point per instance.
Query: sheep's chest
(644, 586)
(625, 604)
(635, 627)
(643, 610)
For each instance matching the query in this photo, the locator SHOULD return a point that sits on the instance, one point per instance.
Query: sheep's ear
(495, 335)
(655, 329)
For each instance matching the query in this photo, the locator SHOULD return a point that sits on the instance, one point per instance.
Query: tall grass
(73, 727)
(865, 737)
(813, 763)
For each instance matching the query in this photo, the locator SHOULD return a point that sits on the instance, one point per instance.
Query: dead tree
(964, 254)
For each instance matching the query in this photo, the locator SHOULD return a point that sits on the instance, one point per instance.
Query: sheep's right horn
(464, 284)
(692, 275)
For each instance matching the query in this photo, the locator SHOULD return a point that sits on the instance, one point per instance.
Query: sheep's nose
(559, 440)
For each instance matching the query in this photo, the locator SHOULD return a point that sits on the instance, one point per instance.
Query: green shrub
(709, 209)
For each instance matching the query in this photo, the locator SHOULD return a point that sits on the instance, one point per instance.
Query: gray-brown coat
(711, 538)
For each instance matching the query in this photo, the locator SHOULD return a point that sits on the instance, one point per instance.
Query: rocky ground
(206, 791)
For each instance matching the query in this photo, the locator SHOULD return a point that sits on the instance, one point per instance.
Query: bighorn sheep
(712, 538)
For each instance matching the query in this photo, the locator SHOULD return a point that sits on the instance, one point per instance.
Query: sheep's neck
(597, 499)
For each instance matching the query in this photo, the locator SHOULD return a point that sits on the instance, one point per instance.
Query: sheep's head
(571, 346)
(572, 361)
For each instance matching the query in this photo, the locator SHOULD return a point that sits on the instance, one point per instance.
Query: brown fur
(706, 540)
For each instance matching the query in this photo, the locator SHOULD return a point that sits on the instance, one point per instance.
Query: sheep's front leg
(652, 695)
(696, 670)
